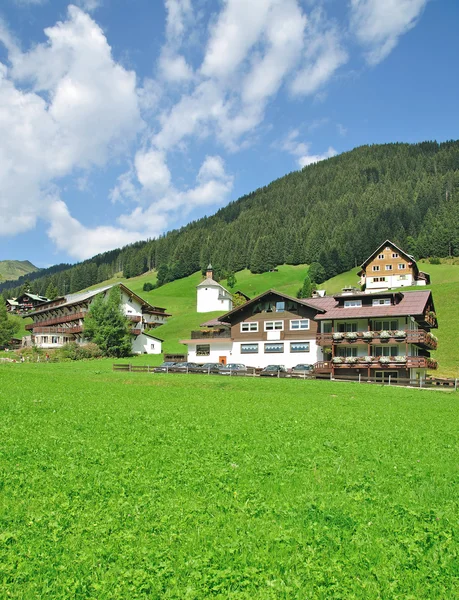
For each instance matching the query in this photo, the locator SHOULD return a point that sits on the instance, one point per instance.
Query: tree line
(333, 213)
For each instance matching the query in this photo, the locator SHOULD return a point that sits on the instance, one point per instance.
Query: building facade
(382, 334)
(390, 267)
(211, 296)
(60, 321)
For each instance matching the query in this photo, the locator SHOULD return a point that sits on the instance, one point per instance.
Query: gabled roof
(383, 245)
(211, 282)
(309, 302)
(154, 337)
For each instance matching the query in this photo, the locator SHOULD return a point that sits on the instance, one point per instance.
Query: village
(377, 330)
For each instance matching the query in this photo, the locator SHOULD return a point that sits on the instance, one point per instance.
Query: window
(394, 255)
(54, 339)
(274, 325)
(152, 347)
(376, 279)
(249, 348)
(249, 327)
(345, 352)
(352, 303)
(403, 277)
(375, 267)
(280, 306)
(299, 324)
(326, 327)
(401, 266)
(299, 347)
(388, 267)
(272, 348)
(345, 327)
(385, 325)
(44, 339)
(380, 301)
(203, 350)
(381, 256)
(385, 351)
(386, 376)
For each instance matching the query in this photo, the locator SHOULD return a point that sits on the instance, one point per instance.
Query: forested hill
(334, 212)
(13, 269)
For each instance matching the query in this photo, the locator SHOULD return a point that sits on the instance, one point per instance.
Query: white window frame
(388, 267)
(376, 268)
(274, 328)
(381, 301)
(249, 327)
(292, 344)
(280, 344)
(353, 304)
(254, 351)
(300, 322)
(401, 266)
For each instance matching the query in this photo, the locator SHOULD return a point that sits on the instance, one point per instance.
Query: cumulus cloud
(379, 25)
(301, 150)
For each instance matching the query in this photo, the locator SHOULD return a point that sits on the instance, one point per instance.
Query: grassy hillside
(13, 269)
(179, 298)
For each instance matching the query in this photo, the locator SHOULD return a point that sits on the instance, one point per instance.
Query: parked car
(301, 370)
(164, 367)
(233, 369)
(209, 368)
(184, 367)
(273, 371)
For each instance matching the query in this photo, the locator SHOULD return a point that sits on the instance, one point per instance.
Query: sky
(123, 119)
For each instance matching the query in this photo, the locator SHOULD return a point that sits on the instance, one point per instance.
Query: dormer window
(352, 303)
(380, 301)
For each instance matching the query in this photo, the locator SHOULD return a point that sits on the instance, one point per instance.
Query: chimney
(209, 272)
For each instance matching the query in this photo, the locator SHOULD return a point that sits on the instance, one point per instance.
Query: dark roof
(411, 304)
(309, 302)
(384, 244)
(213, 323)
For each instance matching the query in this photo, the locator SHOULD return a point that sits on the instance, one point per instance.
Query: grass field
(125, 486)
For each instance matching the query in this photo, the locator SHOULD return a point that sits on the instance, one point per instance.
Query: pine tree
(317, 273)
(231, 279)
(306, 290)
(106, 325)
(51, 291)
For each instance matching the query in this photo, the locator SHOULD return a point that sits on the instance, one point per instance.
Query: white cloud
(82, 109)
(301, 150)
(152, 171)
(378, 25)
(90, 5)
(173, 67)
(323, 54)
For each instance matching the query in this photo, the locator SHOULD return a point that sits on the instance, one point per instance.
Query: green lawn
(131, 486)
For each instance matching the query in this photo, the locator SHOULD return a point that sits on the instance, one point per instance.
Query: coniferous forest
(334, 213)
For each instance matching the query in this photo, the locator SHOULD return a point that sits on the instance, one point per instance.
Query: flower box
(337, 337)
(351, 336)
(337, 360)
(384, 336)
(384, 360)
(399, 334)
(350, 360)
(368, 335)
(400, 359)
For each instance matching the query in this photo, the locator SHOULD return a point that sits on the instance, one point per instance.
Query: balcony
(379, 362)
(134, 318)
(54, 330)
(418, 336)
(56, 320)
(205, 335)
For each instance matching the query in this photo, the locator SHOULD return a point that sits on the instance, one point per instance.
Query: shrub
(434, 260)
(147, 287)
(73, 351)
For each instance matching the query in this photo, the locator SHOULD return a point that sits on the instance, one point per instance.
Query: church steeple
(209, 272)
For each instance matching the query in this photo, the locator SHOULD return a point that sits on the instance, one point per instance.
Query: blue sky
(122, 119)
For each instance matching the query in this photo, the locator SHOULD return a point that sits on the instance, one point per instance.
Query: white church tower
(212, 296)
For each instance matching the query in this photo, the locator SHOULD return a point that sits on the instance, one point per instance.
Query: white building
(60, 321)
(211, 296)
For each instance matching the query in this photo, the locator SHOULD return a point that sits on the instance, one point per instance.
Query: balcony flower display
(350, 360)
(338, 336)
(338, 360)
(400, 359)
(432, 337)
(351, 336)
(385, 335)
(366, 359)
(399, 334)
(384, 360)
(368, 335)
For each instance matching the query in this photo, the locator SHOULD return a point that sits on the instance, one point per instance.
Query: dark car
(274, 371)
(165, 367)
(184, 367)
(233, 369)
(209, 368)
(301, 370)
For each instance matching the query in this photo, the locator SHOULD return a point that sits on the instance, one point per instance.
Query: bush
(73, 351)
(147, 287)
(434, 260)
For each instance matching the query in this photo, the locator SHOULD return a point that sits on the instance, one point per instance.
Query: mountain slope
(334, 212)
(13, 269)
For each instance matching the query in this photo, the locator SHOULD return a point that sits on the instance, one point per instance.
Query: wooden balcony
(417, 336)
(54, 330)
(134, 318)
(412, 362)
(57, 320)
(205, 335)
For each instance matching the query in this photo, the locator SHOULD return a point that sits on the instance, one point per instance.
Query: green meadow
(121, 485)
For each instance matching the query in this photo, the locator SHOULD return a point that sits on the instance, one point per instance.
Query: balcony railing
(57, 320)
(384, 362)
(134, 318)
(203, 335)
(417, 336)
(53, 330)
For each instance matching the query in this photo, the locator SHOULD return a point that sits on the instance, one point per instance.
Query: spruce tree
(106, 325)
(8, 325)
